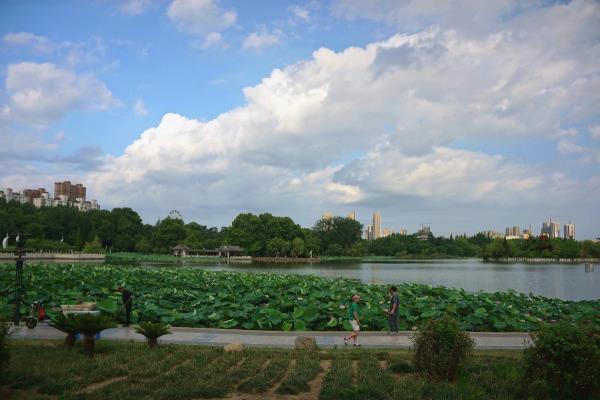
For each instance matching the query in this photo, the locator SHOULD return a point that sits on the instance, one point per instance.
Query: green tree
(127, 226)
(337, 230)
(95, 246)
(297, 247)
(278, 247)
(169, 233)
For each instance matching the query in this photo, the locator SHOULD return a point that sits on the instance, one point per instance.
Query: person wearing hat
(354, 320)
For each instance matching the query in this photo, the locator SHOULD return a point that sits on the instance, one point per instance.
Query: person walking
(127, 298)
(354, 319)
(392, 313)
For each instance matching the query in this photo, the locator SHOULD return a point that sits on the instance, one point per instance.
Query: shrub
(401, 367)
(152, 331)
(4, 349)
(441, 349)
(562, 363)
(90, 325)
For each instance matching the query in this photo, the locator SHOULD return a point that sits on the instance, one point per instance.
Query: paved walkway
(220, 337)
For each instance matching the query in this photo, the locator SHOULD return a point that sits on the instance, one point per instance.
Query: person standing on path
(127, 298)
(392, 313)
(354, 320)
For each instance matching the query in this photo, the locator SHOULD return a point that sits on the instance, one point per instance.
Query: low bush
(4, 348)
(401, 367)
(441, 349)
(562, 363)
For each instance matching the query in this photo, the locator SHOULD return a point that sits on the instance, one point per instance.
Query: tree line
(122, 230)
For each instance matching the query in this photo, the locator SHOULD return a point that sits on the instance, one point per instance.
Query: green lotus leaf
(299, 325)
(230, 323)
(108, 306)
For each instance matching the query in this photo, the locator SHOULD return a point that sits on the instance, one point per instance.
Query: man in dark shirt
(393, 311)
(127, 298)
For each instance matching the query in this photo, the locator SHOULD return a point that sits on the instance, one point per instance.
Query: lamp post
(20, 252)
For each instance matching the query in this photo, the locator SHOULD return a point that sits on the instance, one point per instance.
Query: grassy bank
(44, 370)
(140, 257)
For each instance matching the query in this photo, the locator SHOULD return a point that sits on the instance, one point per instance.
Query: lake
(564, 281)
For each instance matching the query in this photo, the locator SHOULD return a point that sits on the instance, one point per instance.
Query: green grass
(306, 369)
(45, 370)
(271, 373)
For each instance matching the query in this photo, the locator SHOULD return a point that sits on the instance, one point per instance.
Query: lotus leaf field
(197, 298)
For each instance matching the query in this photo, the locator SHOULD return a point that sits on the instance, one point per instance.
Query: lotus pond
(199, 298)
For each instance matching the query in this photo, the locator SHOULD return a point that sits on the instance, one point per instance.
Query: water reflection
(569, 282)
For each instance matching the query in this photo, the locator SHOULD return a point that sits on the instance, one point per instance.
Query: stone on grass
(233, 347)
(305, 343)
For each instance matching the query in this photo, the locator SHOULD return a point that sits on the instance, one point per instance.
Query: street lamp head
(21, 240)
(5, 242)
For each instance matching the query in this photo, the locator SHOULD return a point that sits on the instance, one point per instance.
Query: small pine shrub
(441, 349)
(562, 363)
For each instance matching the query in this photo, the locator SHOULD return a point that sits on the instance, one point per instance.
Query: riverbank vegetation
(122, 230)
(198, 298)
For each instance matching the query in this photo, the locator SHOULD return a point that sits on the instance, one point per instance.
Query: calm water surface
(565, 281)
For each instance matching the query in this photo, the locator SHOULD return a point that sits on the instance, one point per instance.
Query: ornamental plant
(65, 323)
(441, 349)
(90, 325)
(562, 363)
(152, 331)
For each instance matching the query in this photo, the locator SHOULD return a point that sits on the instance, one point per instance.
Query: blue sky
(468, 116)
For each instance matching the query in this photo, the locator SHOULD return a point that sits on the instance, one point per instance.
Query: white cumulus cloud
(380, 125)
(261, 38)
(203, 18)
(41, 92)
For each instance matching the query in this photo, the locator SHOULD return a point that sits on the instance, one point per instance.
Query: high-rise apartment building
(73, 192)
(328, 215)
(352, 215)
(424, 232)
(513, 231)
(35, 193)
(569, 231)
(387, 232)
(377, 225)
(368, 234)
(403, 232)
(551, 229)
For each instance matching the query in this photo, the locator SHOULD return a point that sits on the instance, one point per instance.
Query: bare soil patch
(98, 385)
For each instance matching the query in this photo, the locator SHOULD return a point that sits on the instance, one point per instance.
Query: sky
(463, 115)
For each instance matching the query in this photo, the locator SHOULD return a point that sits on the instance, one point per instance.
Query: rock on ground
(305, 343)
(233, 347)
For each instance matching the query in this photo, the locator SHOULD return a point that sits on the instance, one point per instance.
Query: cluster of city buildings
(373, 231)
(550, 229)
(65, 194)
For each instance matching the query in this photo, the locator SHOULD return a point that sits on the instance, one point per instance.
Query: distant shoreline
(539, 260)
